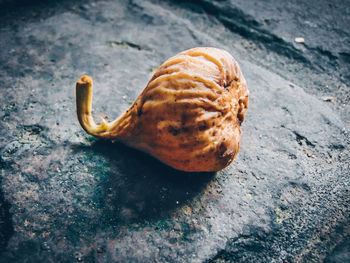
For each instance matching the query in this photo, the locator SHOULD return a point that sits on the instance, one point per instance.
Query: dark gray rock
(67, 196)
(341, 253)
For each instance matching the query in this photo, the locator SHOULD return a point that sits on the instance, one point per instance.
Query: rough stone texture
(66, 196)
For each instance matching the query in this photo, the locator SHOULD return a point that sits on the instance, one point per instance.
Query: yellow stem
(84, 104)
(115, 129)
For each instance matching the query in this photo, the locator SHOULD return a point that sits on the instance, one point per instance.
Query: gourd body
(190, 113)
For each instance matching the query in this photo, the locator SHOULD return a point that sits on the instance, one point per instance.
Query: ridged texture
(190, 113)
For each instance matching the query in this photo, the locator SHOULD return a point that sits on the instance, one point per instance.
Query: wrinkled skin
(188, 116)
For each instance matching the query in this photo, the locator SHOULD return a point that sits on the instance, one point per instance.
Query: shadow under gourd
(140, 188)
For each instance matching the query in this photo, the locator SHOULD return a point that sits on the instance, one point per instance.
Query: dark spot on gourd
(222, 150)
(203, 126)
(172, 130)
(185, 129)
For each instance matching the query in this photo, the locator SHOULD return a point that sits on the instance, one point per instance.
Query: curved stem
(84, 103)
(119, 128)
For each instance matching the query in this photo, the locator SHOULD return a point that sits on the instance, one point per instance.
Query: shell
(188, 116)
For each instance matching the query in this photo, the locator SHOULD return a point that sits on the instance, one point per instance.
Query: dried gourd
(188, 116)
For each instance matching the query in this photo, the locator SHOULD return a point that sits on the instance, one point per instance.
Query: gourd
(189, 115)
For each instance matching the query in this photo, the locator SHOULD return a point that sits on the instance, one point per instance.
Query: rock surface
(66, 196)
